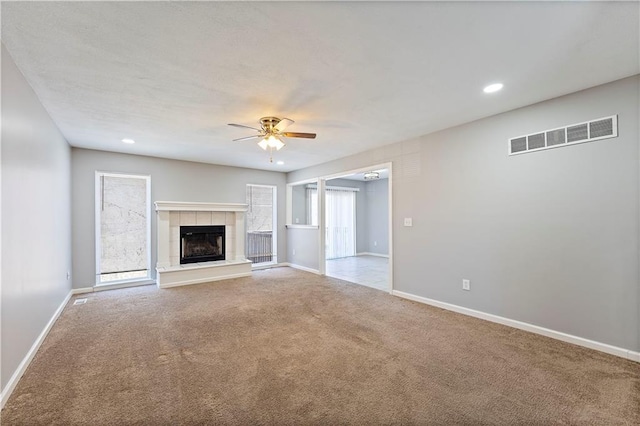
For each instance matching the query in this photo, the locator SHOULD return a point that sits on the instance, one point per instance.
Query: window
(312, 206)
(261, 224)
(123, 227)
(303, 204)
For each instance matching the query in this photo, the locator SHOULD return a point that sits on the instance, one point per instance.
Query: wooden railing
(260, 246)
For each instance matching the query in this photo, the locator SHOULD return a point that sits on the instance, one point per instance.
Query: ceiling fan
(271, 132)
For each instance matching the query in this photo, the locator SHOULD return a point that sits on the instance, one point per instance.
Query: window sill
(123, 284)
(302, 226)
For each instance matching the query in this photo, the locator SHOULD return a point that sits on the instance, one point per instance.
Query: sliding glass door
(340, 223)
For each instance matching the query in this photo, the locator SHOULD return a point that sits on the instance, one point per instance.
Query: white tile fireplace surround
(172, 215)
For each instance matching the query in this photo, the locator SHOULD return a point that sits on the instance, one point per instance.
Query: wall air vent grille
(555, 137)
(578, 133)
(519, 144)
(602, 128)
(535, 141)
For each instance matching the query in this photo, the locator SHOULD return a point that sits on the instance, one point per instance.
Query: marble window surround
(172, 215)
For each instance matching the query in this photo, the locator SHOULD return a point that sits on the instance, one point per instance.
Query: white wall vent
(593, 130)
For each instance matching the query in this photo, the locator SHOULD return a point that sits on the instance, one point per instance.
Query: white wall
(549, 238)
(171, 180)
(36, 218)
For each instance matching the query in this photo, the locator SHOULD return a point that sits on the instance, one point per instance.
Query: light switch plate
(466, 285)
(408, 221)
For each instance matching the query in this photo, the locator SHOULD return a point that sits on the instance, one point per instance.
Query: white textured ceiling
(171, 75)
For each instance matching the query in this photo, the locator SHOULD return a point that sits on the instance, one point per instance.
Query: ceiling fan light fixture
(371, 175)
(271, 133)
(271, 142)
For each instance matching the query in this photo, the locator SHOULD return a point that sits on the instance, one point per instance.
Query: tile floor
(370, 271)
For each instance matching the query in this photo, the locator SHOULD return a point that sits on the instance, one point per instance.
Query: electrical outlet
(68, 275)
(297, 220)
(408, 221)
(375, 244)
(294, 252)
(466, 285)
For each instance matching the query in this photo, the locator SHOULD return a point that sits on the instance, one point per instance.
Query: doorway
(357, 232)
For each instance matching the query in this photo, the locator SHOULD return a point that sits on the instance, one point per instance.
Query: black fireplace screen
(201, 243)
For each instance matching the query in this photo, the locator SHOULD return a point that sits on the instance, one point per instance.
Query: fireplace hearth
(202, 243)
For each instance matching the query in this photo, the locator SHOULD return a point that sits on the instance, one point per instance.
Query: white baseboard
(268, 266)
(367, 253)
(591, 344)
(105, 287)
(15, 378)
(302, 268)
(634, 356)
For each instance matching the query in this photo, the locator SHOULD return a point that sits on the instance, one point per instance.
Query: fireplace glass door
(202, 243)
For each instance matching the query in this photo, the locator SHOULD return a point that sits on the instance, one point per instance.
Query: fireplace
(201, 243)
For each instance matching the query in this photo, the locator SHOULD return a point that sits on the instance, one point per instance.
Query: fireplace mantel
(181, 206)
(172, 215)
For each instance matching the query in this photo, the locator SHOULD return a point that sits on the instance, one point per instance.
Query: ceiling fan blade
(283, 124)
(244, 127)
(299, 135)
(248, 138)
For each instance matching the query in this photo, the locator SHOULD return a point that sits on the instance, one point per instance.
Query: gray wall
(303, 247)
(549, 238)
(299, 205)
(171, 180)
(377, 216)
(362, 231)
(36, 218)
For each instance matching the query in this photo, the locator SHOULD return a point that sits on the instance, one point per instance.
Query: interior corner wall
(549, 238)
(171, 180)
(36, 218)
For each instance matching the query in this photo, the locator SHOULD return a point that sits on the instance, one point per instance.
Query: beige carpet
(288, 347)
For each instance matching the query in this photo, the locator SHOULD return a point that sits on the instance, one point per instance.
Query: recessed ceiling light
(128, 141)
(493, 88)
(280, 163)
